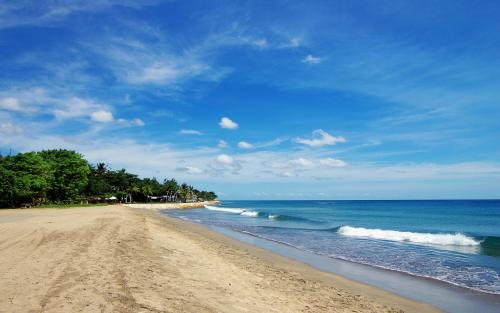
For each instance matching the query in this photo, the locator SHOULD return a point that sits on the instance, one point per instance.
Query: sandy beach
(119, 259)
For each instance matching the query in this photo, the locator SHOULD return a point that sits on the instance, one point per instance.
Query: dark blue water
(455, 241)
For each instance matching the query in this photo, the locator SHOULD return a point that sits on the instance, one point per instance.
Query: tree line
(64, 176)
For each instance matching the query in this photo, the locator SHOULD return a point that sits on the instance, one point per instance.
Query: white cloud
(14, 105)
(189, 170)
(224, 164)
(331, 162)
(74, 107)
(245, 145)
(286, 174)
(10, 104)
(10, 129)
(222, 144)
(276, 40)
(61, 105)
(272, 143)
(128, 123)
(301, 162)
(227, 123)
(294, 42)
(138, 122)
(261, 43)
(102, 116)
(309, 59)
(224, 159)
(191, 132)
(320, 138)
(56, 102)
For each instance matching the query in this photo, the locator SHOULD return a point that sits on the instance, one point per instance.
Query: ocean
(453, 241)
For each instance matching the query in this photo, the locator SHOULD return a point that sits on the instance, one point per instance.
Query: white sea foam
(272, 216)
(233, 210)
(228, 210)
(418, 238)
(250, 213)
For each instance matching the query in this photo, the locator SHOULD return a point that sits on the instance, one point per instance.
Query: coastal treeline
(64, 176)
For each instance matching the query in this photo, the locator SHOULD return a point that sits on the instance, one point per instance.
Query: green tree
(169, 186)
(98, 184)
(184, 192)
(211, 196)
(25, 177)
(70, 172)
(57, 175)
(121, 180)
(8, 185)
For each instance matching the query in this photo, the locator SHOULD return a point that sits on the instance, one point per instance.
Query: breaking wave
(228, 210)
(404, 236)
(251, 213)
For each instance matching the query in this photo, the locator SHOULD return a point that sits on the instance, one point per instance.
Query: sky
(262, 99)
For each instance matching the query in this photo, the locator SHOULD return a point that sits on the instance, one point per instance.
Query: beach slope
(118, 259)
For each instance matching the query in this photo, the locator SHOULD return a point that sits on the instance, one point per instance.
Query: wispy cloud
(130, 123)
(331, 162)
(224, 164)
(270, 143)
(138, 62)
(320, 138)
(222, 144)
(309, 59)
(286, 174)
(75, 107)
(10, 129)
(138, 122)
(14, 13)
(302, 163)
(191, 132)
(193, 170)
(261, 43)
(293, 42)
(39, 103)
(14, 105)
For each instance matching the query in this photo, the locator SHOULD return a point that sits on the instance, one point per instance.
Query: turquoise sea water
(455, 241)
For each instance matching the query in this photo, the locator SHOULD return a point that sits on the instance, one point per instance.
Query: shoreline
(308, 270)
(417, 288)
(116, 258)
(468, 289)
(170, 205)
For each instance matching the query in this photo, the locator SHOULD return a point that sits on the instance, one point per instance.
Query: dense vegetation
(63, 176)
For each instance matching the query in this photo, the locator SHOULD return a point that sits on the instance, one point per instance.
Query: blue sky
(263, 99)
